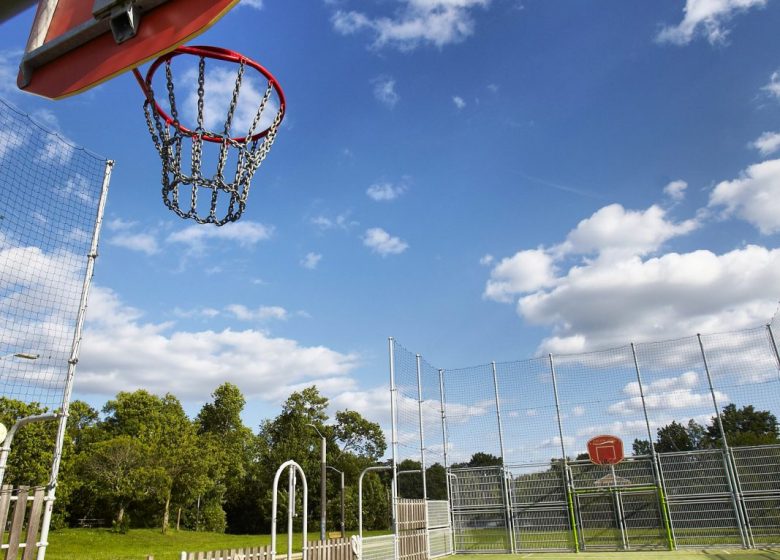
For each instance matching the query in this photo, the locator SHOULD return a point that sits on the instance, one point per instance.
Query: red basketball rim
(218, 54)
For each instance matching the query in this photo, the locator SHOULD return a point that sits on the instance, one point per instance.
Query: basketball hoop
(184, 184)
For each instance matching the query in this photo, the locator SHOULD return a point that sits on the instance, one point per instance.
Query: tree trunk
(166, 513)
(178, 519)
(120, 516)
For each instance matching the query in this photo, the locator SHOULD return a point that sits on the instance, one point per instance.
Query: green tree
(640, 447)
(743, 426)
(29, 461)
(673, 437)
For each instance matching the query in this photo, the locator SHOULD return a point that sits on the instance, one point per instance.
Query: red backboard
(605, 450)
(77, 44)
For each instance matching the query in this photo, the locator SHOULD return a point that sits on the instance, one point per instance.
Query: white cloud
(256, 4)
(381, 242)
(767, 143)
(382, 192)
(415, 22)
(613, 230)
(142, 242)
(668, 296)
(754, 196)
(325, 223)
(262, 313)
(676, 190)
(311, 260)
(11, 141)
(244, 233)
(459, 102)
(9, 68)
(487, 260)
(121, 352)
(773, 87)
(384, 91)
(219, 83)
(707, 18)
(525, 271)
(668, 393)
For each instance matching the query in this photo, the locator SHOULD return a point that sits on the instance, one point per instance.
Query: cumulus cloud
(384, 91)
(583, 288)
(684, 392)
(382, 243)
(676, 190)
(459, 102)
(754, 196)
(525, 271)
(414, 23)
(707, 18)
(341, 221)
(384, 192)
(256, 4)
(311, 260)
(244, 233)
(262, 313)
(767, 143)
(141, 242)
(121, 351)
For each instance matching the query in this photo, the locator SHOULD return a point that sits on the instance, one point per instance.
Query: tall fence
(52, 196)
(507, 443)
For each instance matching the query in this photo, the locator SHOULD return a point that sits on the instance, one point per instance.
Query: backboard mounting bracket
(120, 17)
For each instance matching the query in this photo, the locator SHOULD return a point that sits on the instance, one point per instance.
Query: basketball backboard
(77, 44)
(605, 450)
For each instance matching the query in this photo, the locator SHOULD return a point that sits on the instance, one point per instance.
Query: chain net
(206, 163)
(49, 196)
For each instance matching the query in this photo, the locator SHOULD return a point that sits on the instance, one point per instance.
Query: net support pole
(730, 473)
(394, 446)
(505, 485)
(445, 443)
(653, 455)
(418, 362)
(566, 476)
(74, 359)
(774, 347)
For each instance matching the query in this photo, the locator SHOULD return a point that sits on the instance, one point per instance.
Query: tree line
(142, 462)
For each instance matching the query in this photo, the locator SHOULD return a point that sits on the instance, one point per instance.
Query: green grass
(137, 544)
(101, 544)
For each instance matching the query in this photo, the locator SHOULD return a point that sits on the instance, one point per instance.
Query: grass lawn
(100, 544)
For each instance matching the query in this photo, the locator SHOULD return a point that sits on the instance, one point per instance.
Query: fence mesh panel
(49, 194)
(513, 439)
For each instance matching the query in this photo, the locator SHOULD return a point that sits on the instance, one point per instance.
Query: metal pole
(445, 442)
(653, 456)
(394, 445)
(774, 347)
(290, 508)
(507, 505)
(730, 475)
(293, 465)
(420, 420)
(74, 359)
(9, 438)
(566, 477)
(360, 494)
(323, 487)
(343, 523)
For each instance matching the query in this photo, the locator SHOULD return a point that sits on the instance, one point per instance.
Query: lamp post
(323, 477)
(343, 527)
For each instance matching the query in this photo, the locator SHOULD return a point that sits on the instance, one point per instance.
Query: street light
(323, 477)
(22, 355)
(343, 528)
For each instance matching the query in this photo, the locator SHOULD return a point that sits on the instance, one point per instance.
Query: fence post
(443, 401)
(567, 481)
(422, 451)
(730, 472)
(394, 446)
(505, 485)
(654, 457)
(774, 347)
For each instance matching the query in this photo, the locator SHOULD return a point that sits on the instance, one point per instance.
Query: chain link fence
(698, 418)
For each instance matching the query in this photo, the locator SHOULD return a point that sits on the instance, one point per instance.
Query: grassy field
(100, 544)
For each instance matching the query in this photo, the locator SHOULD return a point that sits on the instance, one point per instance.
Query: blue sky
(482, 179)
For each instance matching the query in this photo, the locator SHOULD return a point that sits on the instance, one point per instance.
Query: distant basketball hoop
(605, 450)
